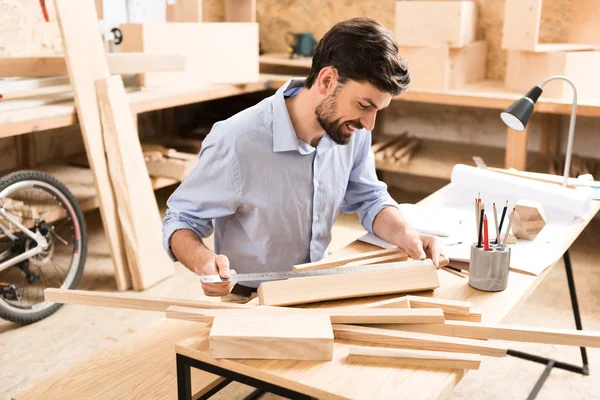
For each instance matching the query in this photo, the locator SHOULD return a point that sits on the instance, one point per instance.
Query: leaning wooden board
(356, 284)
(140, 218)
(86, 63)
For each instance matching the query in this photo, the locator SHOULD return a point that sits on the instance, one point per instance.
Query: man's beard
(325, 113)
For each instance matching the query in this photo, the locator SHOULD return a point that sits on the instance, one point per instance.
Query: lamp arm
(571, 124)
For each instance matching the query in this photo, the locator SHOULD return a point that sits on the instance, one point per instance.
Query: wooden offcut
(350, 315)
(473, 330)
(86, 63)
(449, 23)
(287, 337)
(341, 261)
(417, 341)
(449, 306)
(168, 163)
(414, 358)
(125, 301)
(400, 302)
(215, 53)
(422, 276)
(137, 207)
(528, 220)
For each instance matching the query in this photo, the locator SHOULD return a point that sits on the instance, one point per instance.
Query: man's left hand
(420, 246)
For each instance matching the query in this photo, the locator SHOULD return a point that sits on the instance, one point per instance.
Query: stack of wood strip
(168, 163)
(397, 150)
(579, 166)
(423, 333)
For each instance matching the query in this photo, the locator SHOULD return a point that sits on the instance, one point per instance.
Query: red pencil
(486, 244)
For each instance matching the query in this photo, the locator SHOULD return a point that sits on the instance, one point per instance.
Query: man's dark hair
(363, 50)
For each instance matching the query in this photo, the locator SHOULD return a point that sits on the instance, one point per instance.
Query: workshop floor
(30, 354)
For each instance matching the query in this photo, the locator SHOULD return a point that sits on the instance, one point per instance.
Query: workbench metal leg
(550, 363)
(184, 380)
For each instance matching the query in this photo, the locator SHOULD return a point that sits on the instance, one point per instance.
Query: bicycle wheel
(42, 204)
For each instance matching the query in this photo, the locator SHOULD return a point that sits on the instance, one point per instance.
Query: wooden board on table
(342, 286)
(414, 358)
(449, 306)
(338, 262)
(220, 52)
(138, 210)
(260, 336)
(473, 330)
(146, 365)
(418, 341)
(120, 63)
(349, 315)
(84, 52)
(398, 302)
(126, 301)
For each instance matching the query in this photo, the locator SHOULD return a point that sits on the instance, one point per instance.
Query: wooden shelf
(284, 60)
(435, 159)
(80, 182)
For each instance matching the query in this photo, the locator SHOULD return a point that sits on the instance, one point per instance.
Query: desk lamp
(517, 115)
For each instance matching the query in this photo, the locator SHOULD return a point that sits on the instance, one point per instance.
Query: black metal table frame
(550, 363)
(184, 383)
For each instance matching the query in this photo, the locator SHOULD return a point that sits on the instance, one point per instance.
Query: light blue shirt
(271, 198)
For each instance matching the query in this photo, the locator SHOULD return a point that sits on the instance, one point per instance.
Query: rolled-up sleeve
(212, 190)
(365, 193)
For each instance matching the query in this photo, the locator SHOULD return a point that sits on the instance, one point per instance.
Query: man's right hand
(218, 264)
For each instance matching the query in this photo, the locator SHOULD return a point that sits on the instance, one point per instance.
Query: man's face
(348, 107)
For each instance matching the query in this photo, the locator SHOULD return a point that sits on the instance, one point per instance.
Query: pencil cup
(488, 270)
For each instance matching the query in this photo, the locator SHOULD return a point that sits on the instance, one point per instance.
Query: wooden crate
(215, 53)
(522, 20)
(526, 69)
(442, 67)
(434, 23)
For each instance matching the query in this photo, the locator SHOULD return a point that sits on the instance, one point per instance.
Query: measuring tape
(271, 276)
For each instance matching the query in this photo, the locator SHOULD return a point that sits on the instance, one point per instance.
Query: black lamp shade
(517, 115)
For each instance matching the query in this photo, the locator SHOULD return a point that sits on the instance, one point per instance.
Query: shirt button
(317, 217)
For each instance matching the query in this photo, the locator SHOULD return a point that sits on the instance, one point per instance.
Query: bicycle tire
(8, 312)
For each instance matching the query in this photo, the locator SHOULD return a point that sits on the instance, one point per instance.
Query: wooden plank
(349, 315)
(120, 63)
(357, 284)
(418, 341)
(452, 23)
(550, 136)
(184, 11)
(84, 52)
(127, 301)
(472, 316)
(473, 330)
(139, 365)
(449, 306)
(232, 49)
(138, 210)
(516, 149)
(338, 262)
(521, 24)
(379, 260)
(413, 358)
(240, 10)
(287, 337)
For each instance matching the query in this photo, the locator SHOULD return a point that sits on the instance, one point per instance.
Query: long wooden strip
(350, 315)
(86, 63)
(379, 260)
(569, 337)
(121, 300)
(414, 358)
(344, 286)
(118, 63)
(449, 306)
(420, 341)
(400, 302)
(472, 316)
(338, 262)
(138, 210)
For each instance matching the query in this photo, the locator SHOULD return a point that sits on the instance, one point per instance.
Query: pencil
(502, 220)
(496, 224)
(476, 219)
(510, 220)
(479, 233)
(486, 243)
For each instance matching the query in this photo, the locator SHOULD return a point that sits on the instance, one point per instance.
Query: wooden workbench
(144, 365)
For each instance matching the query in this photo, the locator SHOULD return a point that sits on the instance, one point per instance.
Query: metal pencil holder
(488, 270)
